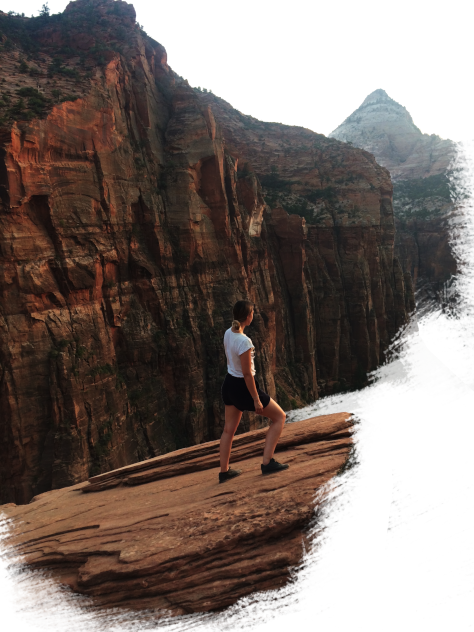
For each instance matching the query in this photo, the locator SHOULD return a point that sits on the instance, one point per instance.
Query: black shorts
(235, 393)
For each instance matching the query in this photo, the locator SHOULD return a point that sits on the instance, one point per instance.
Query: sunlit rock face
(132, 218)
(386, 129)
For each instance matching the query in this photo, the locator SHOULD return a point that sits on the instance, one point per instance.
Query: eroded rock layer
(164, 534)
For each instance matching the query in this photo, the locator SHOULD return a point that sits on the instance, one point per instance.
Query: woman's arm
(246, 361)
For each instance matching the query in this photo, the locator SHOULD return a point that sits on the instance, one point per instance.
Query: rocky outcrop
(163, 534)
(419, 166)
(130, 224)
(385, 129)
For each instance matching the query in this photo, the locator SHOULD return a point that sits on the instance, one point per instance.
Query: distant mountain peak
(377, 95)
(386, 129)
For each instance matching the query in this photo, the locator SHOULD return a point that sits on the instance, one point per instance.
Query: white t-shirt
(235, 345)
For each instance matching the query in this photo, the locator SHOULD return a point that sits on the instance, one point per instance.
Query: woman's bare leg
(277, 421)
(232, 420)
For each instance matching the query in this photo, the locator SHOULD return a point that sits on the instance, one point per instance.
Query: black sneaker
(225, 476)
(274, 466)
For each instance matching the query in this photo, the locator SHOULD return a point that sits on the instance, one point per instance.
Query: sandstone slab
(163, 534)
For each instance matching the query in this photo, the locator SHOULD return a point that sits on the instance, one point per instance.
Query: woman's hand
(258, 406)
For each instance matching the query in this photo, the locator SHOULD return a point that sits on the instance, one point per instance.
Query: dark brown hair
(241, 312)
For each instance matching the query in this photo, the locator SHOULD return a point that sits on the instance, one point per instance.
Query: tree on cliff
(44, 12)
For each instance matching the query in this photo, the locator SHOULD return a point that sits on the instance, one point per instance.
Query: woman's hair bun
(235, 324)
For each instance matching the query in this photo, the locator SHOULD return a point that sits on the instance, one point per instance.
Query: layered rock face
(164, 535)
(131, 221)
(419, 166)
(439, 256)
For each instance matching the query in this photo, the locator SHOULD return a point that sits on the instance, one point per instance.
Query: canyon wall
(439, 256)
(132, 218)
(419, 165)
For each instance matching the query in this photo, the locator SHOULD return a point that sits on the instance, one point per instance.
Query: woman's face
(249, 319)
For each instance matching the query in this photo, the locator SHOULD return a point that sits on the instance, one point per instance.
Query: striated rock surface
(132, 218)
(163, 534)
(439, 255)
(419, 166)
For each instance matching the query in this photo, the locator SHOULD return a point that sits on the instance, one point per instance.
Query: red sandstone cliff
(132, 219)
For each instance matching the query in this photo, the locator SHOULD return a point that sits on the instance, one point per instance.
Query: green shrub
(68, 97)
(119, 382)
(81, 352)
(18, 108)
(23, 67)
(103, 369)
(70, 72)
(27, 92)
(327, 194)
(274, 181)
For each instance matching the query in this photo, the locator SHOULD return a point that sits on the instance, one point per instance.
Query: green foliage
(8, 45)
(274, 181)
(421, 199)
(81, 352)
(97, 52)
(328, 194)
(44, 11)
(300, 207)
(28, 92)
(17, 109)
(423, 188)
(103, 369)
(56, 67)
(37, 102)
(23, 67)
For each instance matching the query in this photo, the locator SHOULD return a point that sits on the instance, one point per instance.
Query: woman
(240, 391)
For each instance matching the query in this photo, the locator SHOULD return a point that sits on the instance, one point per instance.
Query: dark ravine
(132, 217)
